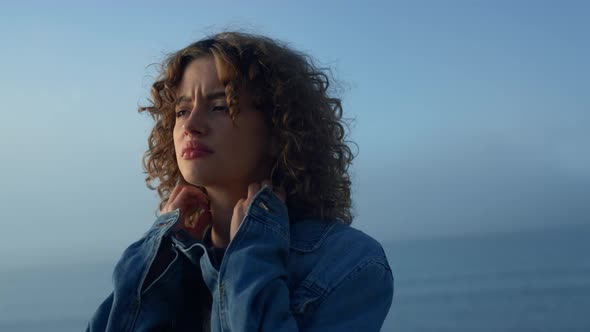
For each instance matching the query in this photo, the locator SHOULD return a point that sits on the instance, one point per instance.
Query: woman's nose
(196, 124)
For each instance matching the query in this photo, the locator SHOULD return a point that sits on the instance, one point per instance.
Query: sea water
(521, 281)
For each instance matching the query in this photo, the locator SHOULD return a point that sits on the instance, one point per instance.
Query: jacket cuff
(267, 208)
(164, 224)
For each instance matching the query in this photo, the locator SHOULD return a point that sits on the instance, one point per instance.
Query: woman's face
(237, 155)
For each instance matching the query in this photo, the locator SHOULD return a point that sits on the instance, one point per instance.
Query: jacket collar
(309, 234)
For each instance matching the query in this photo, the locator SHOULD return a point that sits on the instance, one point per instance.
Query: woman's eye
(220, 108)
(181, 113)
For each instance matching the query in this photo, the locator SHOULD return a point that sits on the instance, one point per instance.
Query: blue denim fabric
(311, 275)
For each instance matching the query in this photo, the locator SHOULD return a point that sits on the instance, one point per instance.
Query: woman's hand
(195, 214)
(242, 205)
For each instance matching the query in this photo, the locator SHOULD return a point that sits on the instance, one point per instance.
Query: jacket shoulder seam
(357, 269)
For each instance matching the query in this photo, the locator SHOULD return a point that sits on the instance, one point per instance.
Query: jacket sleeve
(359, 303)
(252, 293)
(147, 289)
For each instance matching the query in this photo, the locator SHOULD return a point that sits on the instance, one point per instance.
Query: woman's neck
(222, 203)
(223, 199)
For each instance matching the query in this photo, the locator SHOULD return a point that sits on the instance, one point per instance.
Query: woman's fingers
(193, 203)
(195, 211)
(187, 197)
(171, 198)
(174, 202)
(197, 214)
(252, 190)
(237, 216)
(191, 200)
(280, 192)
(196, 223)
(242, 204)
(195, 196)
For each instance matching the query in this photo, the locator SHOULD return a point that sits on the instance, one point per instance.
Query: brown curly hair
(313, 157)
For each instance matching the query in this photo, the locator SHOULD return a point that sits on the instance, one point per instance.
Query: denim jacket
(312, 275)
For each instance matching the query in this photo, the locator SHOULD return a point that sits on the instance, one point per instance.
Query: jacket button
(263, 205)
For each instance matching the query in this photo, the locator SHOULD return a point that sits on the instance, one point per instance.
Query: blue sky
(471, 116)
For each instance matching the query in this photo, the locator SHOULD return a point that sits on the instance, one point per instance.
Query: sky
(469, 116)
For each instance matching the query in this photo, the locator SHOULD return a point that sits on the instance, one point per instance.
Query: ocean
(521, 281)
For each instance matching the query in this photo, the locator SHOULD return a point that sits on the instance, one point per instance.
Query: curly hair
(313, 155)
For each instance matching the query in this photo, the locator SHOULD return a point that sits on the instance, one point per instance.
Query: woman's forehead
(201, 70)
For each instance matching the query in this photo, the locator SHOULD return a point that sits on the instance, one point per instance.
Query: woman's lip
(196, 145)
(189, 154)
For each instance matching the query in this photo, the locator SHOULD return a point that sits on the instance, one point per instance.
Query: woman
(248, 150)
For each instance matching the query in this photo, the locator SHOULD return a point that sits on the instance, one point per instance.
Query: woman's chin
(195, 181)
(192, 178)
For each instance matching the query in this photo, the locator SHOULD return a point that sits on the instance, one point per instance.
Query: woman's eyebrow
(210, 96)
(183, 99)
(215, 95)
